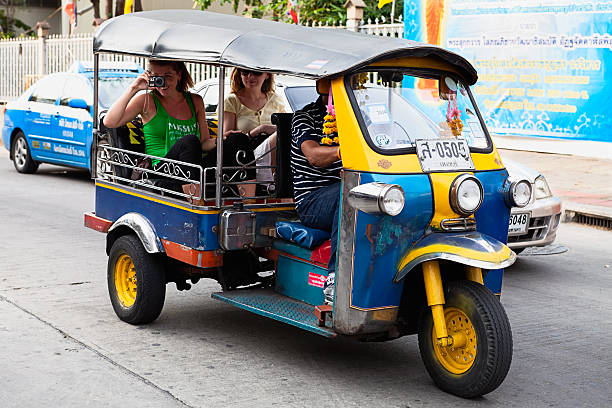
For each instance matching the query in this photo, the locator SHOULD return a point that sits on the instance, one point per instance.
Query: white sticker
(476, 129)
(382, 140)
(378, 113)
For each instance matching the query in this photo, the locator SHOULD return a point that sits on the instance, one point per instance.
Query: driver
(316, 170)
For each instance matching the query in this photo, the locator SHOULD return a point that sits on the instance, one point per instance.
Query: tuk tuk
(424, 205)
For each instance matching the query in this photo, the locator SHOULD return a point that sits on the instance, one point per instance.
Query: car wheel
(21, 155)
(136, 281)
(479, 361)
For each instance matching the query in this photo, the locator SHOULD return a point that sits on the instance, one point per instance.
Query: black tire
(20, 151)
(479, 374)
(141, 301)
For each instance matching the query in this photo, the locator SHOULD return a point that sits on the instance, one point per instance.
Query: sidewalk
(579, 173)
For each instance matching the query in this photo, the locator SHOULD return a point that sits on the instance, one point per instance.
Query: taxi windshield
(399, 108)
(111, 88)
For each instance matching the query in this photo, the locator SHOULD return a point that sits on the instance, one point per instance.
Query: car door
(39, 115)
(72, 126)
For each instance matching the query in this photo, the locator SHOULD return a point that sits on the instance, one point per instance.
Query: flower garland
(330, 128)
(453, 115)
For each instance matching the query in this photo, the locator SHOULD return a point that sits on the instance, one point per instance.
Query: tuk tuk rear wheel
(136, 281)
(474, 315)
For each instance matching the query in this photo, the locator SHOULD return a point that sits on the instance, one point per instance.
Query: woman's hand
(263, 128)
(141, 82)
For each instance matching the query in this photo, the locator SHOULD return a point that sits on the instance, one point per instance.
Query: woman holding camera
(174, 120)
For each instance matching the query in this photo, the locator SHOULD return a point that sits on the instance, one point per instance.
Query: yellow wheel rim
(125, 281)
(460, 357)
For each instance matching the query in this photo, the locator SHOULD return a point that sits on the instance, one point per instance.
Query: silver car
(537, 223)
(533, 225)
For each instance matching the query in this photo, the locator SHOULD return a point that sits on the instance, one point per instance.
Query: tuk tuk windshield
(399, 108)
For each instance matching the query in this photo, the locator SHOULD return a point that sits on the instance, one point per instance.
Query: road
(61, 344)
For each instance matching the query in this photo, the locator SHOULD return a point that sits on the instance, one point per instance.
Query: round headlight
(392, 200)
(541, 188)
(520, 193)
(466, 194)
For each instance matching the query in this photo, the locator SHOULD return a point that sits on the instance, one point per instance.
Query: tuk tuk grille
(458, 224)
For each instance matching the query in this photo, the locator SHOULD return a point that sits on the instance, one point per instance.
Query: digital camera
(157, 82)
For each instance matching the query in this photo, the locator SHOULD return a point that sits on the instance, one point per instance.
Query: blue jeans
(319, 210)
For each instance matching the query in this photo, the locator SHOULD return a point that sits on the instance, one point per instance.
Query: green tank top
(163, 131)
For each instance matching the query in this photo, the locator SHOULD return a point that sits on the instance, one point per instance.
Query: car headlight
(377, 198)
(519, 193)
(466, 194)
(541, 188)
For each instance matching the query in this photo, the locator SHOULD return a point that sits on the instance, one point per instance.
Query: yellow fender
(467, 248)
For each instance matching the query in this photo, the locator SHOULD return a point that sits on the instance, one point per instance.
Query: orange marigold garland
(330, 128)
(453, 115)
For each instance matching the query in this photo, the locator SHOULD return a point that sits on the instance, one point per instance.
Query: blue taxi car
(51, 122)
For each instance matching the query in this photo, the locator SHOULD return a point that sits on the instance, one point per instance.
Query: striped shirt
(307, 124)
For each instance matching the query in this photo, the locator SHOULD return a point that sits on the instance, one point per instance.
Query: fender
(139, 225)
(467, 248)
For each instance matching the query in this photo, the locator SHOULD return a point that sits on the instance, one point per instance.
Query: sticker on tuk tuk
(317, 64)
(314, 279)
(382, 140)
(378, 113)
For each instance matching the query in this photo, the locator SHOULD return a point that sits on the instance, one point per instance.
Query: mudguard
(141, 226)
(467, 248)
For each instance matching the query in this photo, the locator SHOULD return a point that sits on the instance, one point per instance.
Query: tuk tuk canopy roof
(263, 45)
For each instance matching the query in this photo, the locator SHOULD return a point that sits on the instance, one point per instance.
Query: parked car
(51, 122)
(296, 92)
(537, 223)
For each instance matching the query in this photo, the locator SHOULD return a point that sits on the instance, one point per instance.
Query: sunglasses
(246, 72)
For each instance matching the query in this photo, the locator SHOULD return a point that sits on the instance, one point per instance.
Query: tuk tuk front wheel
(136, 281)
(479, 360)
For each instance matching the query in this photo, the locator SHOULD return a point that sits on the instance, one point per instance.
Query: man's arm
(320, 156)
(306, 136)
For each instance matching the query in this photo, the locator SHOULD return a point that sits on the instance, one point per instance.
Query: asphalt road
(61, 344)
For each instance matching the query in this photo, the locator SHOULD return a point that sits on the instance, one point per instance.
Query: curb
(587, 214)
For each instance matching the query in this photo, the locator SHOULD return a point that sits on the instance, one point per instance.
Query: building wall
(31, 15)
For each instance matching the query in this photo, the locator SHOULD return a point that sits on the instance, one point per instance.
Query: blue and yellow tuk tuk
(425, 199)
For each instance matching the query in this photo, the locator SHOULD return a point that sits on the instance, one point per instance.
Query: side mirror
(78, 103)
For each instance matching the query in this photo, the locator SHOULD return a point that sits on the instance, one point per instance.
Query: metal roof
(220, 39)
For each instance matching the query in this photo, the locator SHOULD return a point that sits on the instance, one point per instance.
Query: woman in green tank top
(174, 119)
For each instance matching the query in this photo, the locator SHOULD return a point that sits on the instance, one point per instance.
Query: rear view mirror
(78, 103)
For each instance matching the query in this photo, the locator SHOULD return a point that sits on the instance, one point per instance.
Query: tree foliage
(325, 11)
(8, 26)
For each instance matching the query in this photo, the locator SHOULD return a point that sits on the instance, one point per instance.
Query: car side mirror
(78, 103)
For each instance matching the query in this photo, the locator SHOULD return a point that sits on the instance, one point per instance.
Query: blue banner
(541, 65)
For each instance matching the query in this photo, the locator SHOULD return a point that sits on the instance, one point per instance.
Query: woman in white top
(248, 110)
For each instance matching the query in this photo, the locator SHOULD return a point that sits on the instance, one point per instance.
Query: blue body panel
(375, 264)
(492, 218)
(300, 280)
(171, 221)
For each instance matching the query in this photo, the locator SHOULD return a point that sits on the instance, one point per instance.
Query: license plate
(518, 223)
(444, 155)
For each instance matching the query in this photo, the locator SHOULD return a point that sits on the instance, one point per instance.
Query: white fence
(24, 60)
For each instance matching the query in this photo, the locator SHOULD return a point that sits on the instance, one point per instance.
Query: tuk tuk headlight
(519, 193)
(541, 188)
(377, 198)
(466, 194)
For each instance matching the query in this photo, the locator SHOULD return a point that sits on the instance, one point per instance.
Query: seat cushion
(303, 236)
